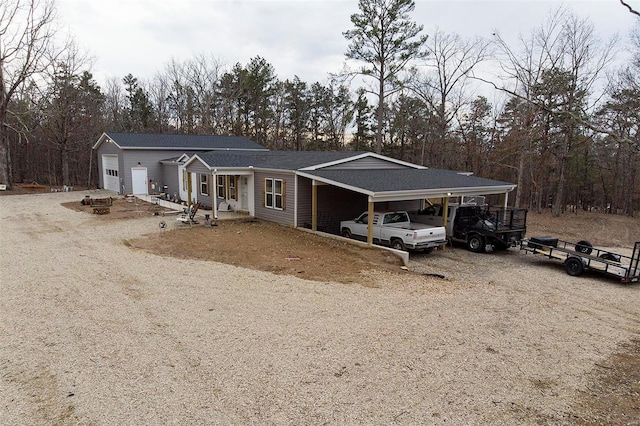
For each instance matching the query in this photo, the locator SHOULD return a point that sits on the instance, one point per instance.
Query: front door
(139, 184)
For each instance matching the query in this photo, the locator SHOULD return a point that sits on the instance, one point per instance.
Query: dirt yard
(266, 246)
(344, 336)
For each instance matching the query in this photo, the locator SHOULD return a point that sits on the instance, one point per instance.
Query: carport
(385, 185)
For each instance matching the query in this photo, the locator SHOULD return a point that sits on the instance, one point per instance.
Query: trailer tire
(346, 232)
(398, 244)
(610, 256)
(475, 243)
(574, 266)
(584, 247)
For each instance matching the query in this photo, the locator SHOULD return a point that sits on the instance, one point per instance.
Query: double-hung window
(274, 194)
(220, 180)
(204, 184)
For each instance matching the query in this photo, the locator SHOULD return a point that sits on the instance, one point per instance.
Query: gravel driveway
(93, 332)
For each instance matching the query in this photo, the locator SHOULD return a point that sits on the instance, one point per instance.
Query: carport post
(370, 223)
(214, 194)
(445, 214)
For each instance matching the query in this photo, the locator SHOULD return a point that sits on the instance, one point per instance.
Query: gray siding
(149, 159)
(334, 204)
(283, 217)
(170, 178)
(304, 202)
(408, 205)
(200, 169)
(108, 148)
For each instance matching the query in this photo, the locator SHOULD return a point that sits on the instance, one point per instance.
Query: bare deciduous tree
(26, 49)
(556, 71)
(451, 60)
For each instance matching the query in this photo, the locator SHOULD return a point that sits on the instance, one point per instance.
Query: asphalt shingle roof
(405, 179)
(371, 180)
(189, 142)
(280, 160)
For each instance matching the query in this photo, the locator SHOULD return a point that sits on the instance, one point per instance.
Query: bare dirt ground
(266, 246)
(106, 319)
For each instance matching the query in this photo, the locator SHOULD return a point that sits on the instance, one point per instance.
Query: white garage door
(110, 172)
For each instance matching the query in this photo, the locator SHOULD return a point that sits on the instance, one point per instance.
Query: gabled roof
(277, 160)
(399, 181)
(178, 142)
(402, 184)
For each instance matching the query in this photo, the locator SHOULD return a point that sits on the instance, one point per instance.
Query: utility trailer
(582, 256)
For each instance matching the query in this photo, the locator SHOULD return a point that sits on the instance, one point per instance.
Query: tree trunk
(518, 200)
(559, 197)
(380, 117)
(4, 148)
(64, 157)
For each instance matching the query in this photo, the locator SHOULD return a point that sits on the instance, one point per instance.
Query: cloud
(298, 37)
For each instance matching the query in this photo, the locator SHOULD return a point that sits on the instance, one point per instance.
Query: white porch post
(214, 194)
(314, 206)
(445, 214)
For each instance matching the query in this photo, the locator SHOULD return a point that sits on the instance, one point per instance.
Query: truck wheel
(346, 232)
(574, 266)
(475, 243)
(397, 244)
(584, 247)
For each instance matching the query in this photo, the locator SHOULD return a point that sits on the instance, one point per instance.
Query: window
(204, 184)
(274, 194)
(185, 180)
(220, 183)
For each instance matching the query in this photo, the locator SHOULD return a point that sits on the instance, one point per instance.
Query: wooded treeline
(566, 130)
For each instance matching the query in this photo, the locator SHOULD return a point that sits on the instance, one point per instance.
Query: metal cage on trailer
(582, 256)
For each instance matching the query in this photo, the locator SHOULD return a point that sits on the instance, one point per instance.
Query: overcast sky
(298, 37)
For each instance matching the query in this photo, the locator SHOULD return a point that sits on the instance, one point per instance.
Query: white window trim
(274, 194)
(204, 184)
(220, 192)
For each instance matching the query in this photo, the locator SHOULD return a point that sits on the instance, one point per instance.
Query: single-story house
(294, 188)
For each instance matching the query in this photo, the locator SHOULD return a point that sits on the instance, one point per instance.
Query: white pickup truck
(394, 229)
